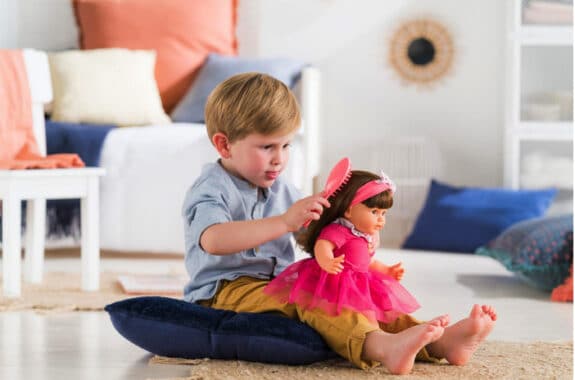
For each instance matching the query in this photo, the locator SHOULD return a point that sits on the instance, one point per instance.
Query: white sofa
(149, 169)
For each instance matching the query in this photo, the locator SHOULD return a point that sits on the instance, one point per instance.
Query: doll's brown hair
(340, 202)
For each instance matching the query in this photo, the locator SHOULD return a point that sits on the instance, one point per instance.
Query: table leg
(91, 237)
(35, 238)
(11, 246)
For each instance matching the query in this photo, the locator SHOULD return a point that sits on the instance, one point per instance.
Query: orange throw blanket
(18, 148)
(564, 292)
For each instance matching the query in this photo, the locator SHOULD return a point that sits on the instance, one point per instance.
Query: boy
(239, 216)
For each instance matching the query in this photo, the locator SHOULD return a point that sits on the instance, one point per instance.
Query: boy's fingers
(321, 199)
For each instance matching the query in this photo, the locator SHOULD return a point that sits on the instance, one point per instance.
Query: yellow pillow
(106, 86)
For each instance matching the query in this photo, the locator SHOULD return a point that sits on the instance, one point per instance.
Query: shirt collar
(346, 223)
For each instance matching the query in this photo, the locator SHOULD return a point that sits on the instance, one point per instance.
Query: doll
(342, 274)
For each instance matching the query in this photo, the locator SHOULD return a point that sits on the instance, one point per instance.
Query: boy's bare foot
(460, 340)
(397, 351)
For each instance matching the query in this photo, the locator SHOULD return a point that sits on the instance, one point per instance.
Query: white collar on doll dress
(346, 223)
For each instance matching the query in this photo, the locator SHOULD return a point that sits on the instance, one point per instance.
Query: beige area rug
(61, 291)
(493, 360)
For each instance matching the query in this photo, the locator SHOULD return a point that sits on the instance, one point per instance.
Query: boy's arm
(233, 237)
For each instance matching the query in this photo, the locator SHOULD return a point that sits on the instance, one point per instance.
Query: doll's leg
(461, 339)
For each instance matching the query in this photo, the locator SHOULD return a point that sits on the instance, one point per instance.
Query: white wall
(363, 101)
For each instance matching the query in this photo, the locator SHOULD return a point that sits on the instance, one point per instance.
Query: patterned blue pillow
(169, 327)
(539, 251)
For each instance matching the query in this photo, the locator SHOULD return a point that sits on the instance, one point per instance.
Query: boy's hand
(331, 265)
(305, 209)
(396, 271)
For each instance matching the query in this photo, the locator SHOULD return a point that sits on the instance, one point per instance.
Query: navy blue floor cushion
(175, 328)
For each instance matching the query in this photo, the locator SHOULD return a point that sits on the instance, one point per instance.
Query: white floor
(84, 345)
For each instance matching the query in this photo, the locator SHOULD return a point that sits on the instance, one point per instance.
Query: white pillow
(106, 86)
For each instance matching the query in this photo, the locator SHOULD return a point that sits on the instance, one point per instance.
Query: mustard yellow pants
(344, 333)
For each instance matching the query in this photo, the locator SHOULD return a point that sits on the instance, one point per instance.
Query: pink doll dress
(376, 295)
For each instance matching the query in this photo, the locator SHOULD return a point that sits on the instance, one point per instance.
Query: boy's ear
(222, 144)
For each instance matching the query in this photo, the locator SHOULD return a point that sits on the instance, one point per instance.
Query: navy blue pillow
(538, 251)
(175, 328)
(84, 139)
(461, 219)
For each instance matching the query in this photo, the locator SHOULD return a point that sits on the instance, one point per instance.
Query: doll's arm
(396, 271)
(323, 253)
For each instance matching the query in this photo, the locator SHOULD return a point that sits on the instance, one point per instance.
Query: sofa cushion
(176, 328)
(182, 32)
(106, 86)
(217, 68)
(461, 219)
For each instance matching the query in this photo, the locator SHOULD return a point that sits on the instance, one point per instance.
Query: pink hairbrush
(338, 176)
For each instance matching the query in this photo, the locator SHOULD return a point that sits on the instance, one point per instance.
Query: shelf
(539, 73)
(547, 35)
(543, 131)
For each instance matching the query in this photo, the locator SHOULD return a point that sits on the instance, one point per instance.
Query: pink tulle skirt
(378, 296)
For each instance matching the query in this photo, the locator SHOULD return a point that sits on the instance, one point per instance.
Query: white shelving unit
(539, 109)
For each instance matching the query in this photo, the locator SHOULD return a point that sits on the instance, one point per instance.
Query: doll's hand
(396, 271)
(305, 209)
(331, 266)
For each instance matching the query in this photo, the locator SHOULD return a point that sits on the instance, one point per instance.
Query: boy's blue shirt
(219, 197)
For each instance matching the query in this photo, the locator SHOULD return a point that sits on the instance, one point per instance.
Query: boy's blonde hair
(251, 103)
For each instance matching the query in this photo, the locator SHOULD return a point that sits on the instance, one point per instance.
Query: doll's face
(368, 220)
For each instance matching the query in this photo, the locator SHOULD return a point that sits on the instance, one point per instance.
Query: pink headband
(372, 188)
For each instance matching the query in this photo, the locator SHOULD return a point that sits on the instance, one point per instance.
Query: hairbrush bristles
(338, 176)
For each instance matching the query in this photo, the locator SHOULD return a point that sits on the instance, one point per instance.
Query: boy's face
(259, 159)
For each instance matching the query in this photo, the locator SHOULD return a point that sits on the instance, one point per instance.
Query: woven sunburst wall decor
(421, 51)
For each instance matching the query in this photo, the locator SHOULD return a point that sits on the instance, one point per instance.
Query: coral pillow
(182, 32)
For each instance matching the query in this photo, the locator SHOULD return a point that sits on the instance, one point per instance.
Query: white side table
(35, 187)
